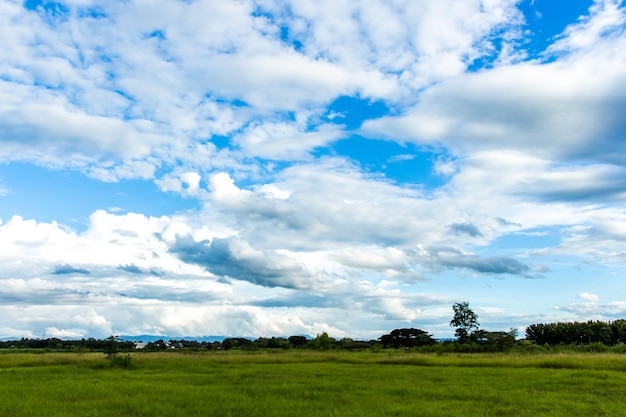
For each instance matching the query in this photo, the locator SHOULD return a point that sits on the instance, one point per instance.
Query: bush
(526, 346)
(595, 347)
(120, 361)
(619, 348)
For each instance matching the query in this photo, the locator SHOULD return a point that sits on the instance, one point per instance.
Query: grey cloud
(452, 258)
(133, 269)
(587, 186)
(47, 296)
(69, 269)
(505, 222)
(489, 265)
(235, 258)
(465, 229)
(167, 294)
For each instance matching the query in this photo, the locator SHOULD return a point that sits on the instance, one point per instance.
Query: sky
(286, 167)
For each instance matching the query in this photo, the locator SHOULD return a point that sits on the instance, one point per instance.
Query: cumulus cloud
(464, 229)
(562, 110)
(448, 257)
(235, 258)
(113, 93)
(53, 332)
(285, 141)
(530, 107)
(229, 103)
(109, 241)
(186, 183)
(592, 298)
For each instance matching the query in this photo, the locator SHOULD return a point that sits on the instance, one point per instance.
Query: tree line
(578, 333)
(469, 338)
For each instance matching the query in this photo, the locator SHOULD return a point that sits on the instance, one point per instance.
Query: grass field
(292, 383)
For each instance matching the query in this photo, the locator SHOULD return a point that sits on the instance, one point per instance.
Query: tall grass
(305, 383)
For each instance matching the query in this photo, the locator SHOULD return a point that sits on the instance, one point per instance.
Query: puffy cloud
(562, 110)
(420, 43)
(557, 110)
(186, 183)
(110, 240)
(448, 257)
(592, 298)
(53, 332)
(285, 141)
(118, 98)
(235, 258)
(464, 229)
(228, 103)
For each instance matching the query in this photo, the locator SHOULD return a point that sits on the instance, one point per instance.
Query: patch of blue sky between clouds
(403, 163)
(49, 7)
(547, 19)
(528, 239)
(351, 112)
(69, 197)
(544, 22)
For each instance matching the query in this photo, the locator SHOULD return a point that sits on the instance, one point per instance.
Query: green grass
(386, 383)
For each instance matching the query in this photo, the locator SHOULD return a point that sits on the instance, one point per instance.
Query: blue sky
(269, 168)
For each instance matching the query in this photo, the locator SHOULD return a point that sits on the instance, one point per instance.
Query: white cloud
(64, 333)
(10, 332)
(592, 298)
(563, 110)
(217, 102)
(417, 43)
(186, 183)
(110, 240)
(285, 141)
(559, 110)
(105, 93)
(606, 20)
(445, 167)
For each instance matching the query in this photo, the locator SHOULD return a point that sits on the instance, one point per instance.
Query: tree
(322, 342)
(407, 338)
(298, 341)
(111, 347)
(618, 328)
(465, 321)
(498, 341)
(112, 353)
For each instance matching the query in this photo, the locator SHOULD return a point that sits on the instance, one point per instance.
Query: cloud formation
(490, 161)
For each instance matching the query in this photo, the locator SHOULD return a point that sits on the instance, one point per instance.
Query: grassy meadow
(309, 383)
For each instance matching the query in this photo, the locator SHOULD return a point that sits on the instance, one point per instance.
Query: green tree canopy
(407, 338)
(465, 321)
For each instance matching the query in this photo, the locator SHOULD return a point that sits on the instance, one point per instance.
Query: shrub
(596, 347)
(121, 361)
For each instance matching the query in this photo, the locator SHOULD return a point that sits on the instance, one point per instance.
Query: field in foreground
(292, 383)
